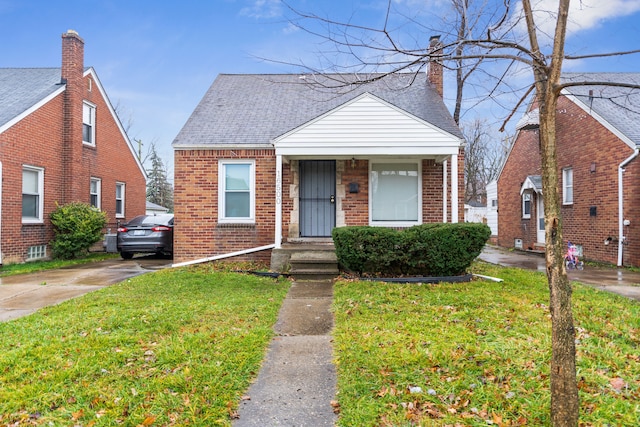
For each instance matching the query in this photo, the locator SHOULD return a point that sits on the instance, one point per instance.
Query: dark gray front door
(317, 197)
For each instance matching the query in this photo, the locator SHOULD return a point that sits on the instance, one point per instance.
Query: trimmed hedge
(424, 250)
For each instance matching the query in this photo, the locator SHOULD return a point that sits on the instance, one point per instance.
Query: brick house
(60, 141)
(270, 159)
(598, 140)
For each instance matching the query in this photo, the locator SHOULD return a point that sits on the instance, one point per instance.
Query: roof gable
(23, 90)
(616, 108)
(367, 125)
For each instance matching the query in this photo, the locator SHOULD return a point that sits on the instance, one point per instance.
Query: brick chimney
(434, 71)
(71, 77)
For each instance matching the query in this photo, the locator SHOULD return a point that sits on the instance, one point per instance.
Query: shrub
(425, 250)
(77, 226)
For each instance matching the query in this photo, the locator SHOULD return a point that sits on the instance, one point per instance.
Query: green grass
(174, 347)
(480, 353)
(180, 347)
(35, 266)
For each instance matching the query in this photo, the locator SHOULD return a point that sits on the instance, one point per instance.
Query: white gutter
(223, 256)
(621, 204)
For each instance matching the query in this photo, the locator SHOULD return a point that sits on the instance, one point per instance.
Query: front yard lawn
(180, 347)
(174, 347)
(478, 353)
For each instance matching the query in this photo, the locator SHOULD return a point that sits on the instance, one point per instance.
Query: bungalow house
(598, 141)
(266, 160)
(60, 141)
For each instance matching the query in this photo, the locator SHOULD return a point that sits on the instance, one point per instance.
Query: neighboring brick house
(269, 159)
(60, 141)
(598, 138)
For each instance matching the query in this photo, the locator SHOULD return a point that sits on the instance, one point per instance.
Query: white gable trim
(32, 109)
(98, 84)
(367, 126)
(614, 130)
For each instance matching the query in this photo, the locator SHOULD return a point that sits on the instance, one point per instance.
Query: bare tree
(482, 159)
(511, 38)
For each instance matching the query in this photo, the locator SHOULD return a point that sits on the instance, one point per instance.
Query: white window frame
(380, 223)
(89, 119)
(97, 193)
(567, 186)
(40, 193)
(222, 218)
(527, 196)
(120, 214)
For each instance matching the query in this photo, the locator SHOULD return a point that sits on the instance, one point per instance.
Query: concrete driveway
(617, 280)
(26, 293)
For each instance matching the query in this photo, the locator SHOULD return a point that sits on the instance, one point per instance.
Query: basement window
(36, 252)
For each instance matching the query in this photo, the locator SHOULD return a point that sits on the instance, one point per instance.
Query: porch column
(454, 188)
(278, 236)
(444, 191)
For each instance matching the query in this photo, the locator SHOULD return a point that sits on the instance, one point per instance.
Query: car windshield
(147, 220)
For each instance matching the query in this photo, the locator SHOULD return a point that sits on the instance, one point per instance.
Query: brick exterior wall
(583, 145)
(51, 138)
(198, 234)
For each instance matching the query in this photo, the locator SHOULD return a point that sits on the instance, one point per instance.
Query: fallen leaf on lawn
(617, 383)
(149, 420)
(77, 415)
(336, 406)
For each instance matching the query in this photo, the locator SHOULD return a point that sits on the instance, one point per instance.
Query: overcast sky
(157, 58)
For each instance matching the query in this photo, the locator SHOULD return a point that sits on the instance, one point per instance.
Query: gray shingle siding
(22, 88)
(252, 110)
(620, 106)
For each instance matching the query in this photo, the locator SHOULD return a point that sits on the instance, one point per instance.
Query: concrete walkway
(297, 381)
(611, 279)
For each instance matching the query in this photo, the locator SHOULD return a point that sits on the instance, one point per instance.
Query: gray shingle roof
(22, 88)
(620, 106)
(252, 109)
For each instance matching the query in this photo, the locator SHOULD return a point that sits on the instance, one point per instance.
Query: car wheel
(126, 255)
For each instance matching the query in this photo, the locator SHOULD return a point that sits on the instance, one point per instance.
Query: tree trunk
(564, 391)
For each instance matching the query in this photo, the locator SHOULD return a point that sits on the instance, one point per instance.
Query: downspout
(0, 212)
(621, 237)
(278, 236)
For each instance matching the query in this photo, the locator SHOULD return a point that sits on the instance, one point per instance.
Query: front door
(317, 197)
(540, 216)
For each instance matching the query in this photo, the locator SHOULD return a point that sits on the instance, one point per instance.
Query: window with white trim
(396, 196)
(119, 199)
(32, 194)
(236, 191)
(567, 186)
(95, 192)
(526, 204)
(88, 123)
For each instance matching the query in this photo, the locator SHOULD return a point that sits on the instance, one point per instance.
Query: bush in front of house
(424, 250)
(77, 226)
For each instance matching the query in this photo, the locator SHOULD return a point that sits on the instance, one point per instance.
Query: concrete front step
(314, 265)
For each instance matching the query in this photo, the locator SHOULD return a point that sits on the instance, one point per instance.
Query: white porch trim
(444, 191)
(278, 236)
(454, 188)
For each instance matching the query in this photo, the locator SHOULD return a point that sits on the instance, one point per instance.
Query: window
(94, 190)
(36, 252)
(88, 124)
(236, 195)
(526, 204)
(32, 194)
(567, 186)
(119, 200)
(395, 194)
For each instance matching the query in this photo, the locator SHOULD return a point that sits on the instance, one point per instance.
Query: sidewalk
(617, 280)
(297, 381)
